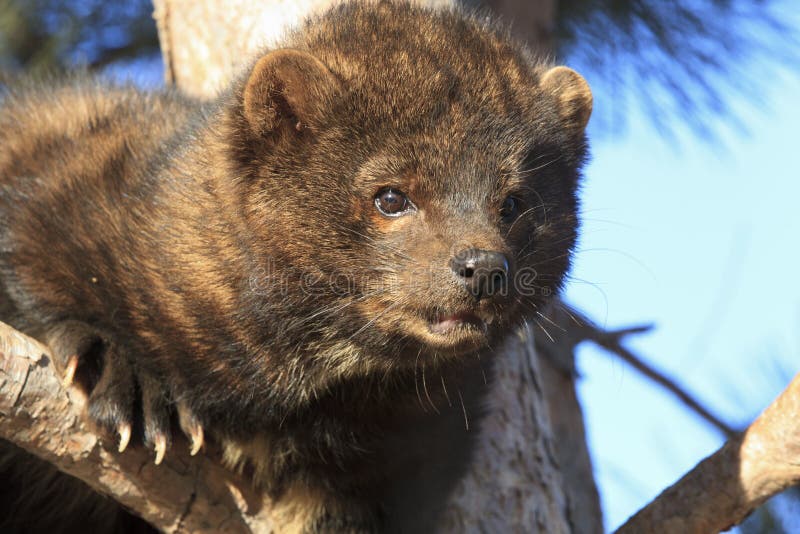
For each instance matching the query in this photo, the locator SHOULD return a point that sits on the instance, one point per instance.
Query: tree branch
(582, 328)
(725, 487)
(184, 493)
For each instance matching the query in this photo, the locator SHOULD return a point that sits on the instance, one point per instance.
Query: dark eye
(392, 202)
(509, 210)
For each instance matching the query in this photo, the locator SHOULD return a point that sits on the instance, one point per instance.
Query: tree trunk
(519, 480)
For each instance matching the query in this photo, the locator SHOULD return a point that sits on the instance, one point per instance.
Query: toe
(160, 447)
(191, 427)
(124, 431)
(76, 348)
(156, 412)
(111, 402)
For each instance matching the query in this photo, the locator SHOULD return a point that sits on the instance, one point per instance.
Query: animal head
(413, 174)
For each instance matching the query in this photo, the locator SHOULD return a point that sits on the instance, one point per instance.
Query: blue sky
(700, 238)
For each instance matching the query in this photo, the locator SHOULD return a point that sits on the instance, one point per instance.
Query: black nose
(484, 272)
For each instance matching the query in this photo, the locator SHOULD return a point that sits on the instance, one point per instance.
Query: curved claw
(69, 372)
(124, 431)
(197, 439)
(160, 447)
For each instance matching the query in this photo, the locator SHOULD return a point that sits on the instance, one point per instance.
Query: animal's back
(86, 126)
(90, 147)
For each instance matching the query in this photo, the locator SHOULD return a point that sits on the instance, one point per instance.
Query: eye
(392, 203)
(510, 209)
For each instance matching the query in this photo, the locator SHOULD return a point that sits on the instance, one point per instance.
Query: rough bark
(514, 483)
(558, 335)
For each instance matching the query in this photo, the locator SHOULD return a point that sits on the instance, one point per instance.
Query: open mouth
(461, 320)
(452, 332)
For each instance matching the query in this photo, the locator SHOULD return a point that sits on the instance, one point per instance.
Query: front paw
(121, 400)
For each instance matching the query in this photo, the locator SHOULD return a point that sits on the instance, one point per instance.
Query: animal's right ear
(572, 94)
(288, 91)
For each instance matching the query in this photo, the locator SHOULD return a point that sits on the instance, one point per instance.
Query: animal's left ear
(572, 94)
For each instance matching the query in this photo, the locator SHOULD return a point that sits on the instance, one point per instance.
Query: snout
(484, 273)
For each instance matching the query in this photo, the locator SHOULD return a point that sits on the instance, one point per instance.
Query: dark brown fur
(229, 258)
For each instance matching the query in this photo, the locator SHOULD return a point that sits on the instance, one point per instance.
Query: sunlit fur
(249, 275)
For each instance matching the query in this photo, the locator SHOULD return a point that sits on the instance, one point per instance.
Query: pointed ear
(572, 93)
(288, 91)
